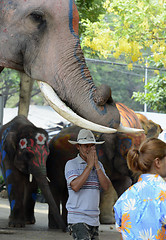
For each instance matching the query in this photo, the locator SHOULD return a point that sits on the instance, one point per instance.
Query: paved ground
(40, 231)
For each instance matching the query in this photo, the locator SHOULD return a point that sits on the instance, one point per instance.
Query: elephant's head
(152, 129)
(27, 146)
(40, 37)
(32, 151)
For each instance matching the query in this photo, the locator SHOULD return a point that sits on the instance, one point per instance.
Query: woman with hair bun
(140, 212)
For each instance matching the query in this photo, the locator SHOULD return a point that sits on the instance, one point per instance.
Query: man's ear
(77, 146)
(157, 163)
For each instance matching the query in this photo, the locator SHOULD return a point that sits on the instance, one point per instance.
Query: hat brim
(86, 142)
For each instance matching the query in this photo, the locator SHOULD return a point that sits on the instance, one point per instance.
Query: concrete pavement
(40, 231)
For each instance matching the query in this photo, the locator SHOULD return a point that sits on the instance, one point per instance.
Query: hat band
(87, 139)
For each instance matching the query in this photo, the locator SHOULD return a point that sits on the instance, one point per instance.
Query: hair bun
(137, 151)
(132, 159)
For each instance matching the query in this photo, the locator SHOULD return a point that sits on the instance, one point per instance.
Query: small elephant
(112, 154)
(23, 154)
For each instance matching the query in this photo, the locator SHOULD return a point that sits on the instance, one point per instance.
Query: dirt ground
(40, 231)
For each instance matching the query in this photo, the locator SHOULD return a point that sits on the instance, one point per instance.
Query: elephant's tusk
(30, 177)
(61, 108)
(129, 130)
(48, 179)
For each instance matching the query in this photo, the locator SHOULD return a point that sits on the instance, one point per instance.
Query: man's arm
(92, 161)
(78, 182)
(103, 179)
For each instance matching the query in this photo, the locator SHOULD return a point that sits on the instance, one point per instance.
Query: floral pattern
(140, 212)
(146, 235)
(40, 138)
(23, 143)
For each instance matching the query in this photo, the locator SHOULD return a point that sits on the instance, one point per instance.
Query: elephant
(23, 154)
(151, 129)
(40, 38)
(112, 154)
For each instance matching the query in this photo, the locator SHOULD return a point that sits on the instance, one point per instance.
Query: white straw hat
(85, 137)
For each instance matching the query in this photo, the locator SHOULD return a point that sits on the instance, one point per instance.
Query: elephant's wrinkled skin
(112, 154)
(40, 38)
(23, 154)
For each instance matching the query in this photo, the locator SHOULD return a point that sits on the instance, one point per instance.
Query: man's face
(84, 149)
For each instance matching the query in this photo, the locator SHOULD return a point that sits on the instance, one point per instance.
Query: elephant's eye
(28, 155)
(38, 17)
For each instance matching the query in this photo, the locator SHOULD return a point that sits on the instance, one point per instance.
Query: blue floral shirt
(140, 212)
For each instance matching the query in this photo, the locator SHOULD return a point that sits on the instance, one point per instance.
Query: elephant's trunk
(88, 101)
(74, 86)
(62, 65)
(44, 187)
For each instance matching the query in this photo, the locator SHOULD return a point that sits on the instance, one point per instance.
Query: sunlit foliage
(155, 97)
(129, 28)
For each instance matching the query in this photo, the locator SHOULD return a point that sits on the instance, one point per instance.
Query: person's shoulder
(130, 192)
(72, 161)
(101, 164)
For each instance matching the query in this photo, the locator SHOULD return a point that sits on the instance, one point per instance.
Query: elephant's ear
(11, 148)
(10, 145)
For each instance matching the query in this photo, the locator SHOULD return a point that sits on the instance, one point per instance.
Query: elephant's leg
(107, 201)
(121, 184)
(51, 221)
(29, 201)
(64, 200)
(15, 183)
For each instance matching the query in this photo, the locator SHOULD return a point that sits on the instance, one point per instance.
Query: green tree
(121, 80)
(9, 85)
(129, 28)
(131, 31)
(156, 94)
(89, 9)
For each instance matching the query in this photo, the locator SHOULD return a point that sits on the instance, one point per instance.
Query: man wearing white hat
(85, 176)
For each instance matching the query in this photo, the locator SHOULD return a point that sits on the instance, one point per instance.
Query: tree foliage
(9, 85)
(10, 88)
(132, 31)
(156, 94)
(130, 28)
(89, 9)
(122, 81)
